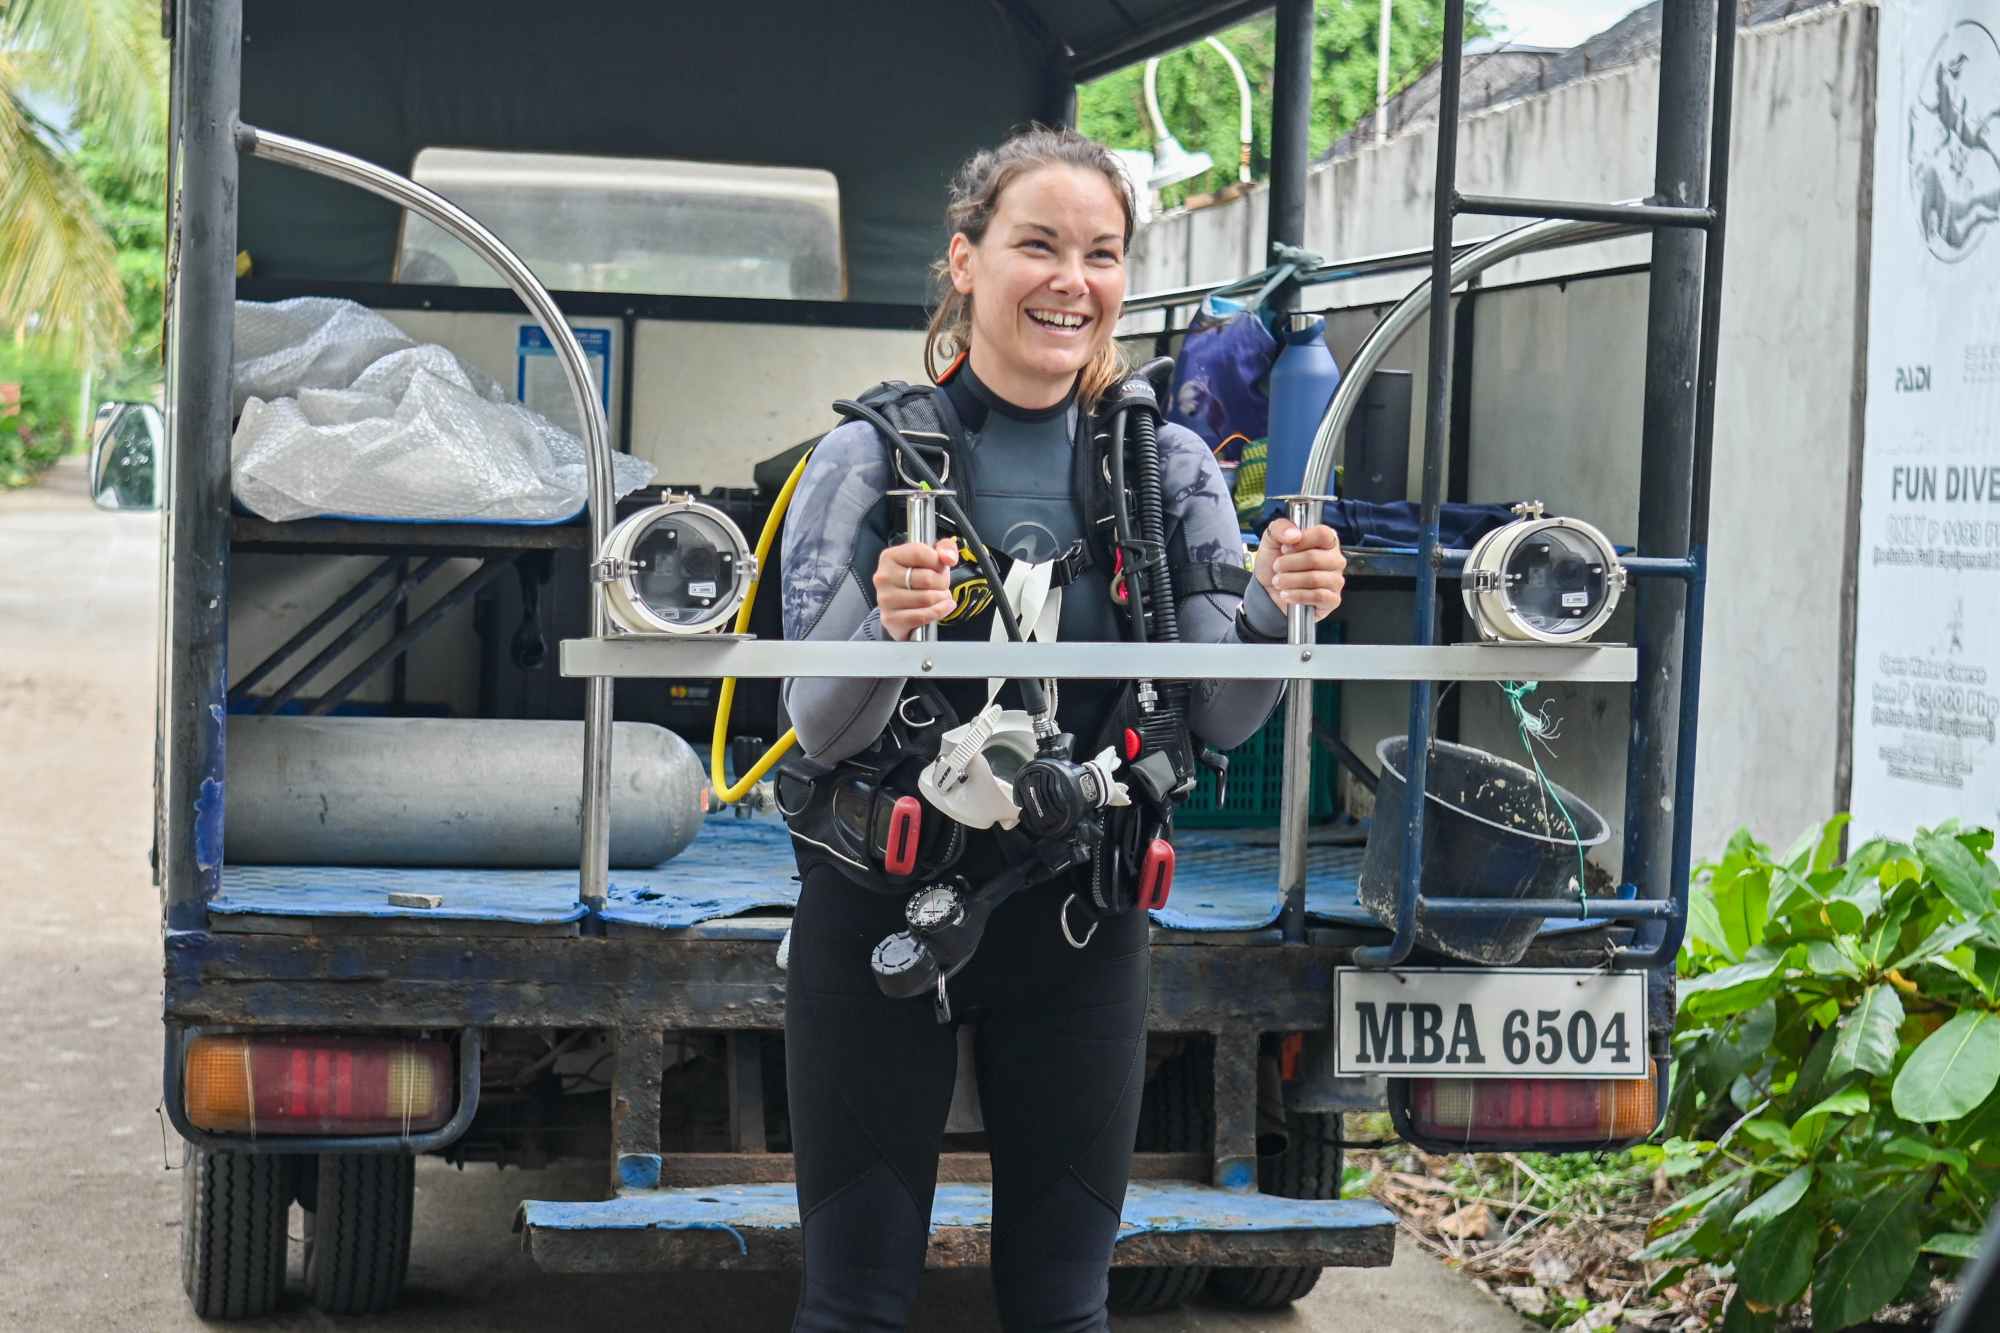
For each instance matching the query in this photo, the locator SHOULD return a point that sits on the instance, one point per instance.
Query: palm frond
(102, 58)
(58, 267)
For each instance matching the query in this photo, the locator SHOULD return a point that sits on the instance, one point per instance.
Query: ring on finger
(908, 571)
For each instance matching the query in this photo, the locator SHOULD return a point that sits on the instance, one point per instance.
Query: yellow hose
(718, 745)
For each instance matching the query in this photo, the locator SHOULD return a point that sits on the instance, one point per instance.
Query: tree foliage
(103, 65)
(1201, 107)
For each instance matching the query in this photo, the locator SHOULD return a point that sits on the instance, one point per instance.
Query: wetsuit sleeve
(1201, 521)
(825, 597)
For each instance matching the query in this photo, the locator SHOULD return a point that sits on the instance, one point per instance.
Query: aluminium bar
(1650, 909)
(703, 656)
(337, 608)
(1401, 561)
(1533, 237)
(595, 852)
(194, 531)
(1648, 215)
(346, 639)
(1702, 474)
(1438, 376)
(1362, 266)
(467, 587)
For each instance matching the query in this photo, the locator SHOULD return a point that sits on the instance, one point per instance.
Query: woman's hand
(912, 583)
(1301, 568)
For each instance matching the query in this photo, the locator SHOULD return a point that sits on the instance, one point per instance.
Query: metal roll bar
(595, 859)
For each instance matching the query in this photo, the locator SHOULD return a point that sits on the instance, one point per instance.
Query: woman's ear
(960, 256)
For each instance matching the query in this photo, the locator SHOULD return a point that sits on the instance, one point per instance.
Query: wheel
(1174, 1117)
(358, 1231)
(1308, 1168)
(233, 1210)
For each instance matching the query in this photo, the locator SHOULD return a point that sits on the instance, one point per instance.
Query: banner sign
(1927, 637)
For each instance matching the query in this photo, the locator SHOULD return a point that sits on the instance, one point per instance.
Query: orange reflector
(316, 1085)
(1534, 1111)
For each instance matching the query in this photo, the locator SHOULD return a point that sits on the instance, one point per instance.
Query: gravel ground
(90, 1212)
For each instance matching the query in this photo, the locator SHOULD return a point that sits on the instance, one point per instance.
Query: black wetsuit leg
(1062, 1063)
(868, 1080)
(1061, 1050)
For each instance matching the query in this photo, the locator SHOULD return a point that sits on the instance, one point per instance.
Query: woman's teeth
(1057, 319)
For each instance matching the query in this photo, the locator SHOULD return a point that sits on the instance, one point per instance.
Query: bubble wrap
(341, 413)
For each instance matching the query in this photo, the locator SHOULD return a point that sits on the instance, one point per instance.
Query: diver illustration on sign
(1954, 159)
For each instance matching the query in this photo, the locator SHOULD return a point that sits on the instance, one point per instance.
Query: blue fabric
(1225, 880)
(1221, 378)
(1400, 523)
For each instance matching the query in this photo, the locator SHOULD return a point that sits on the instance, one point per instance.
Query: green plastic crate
(1257, 774)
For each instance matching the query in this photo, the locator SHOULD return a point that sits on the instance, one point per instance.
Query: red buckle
(1156, 875)
(1131, 744)
(906, 827)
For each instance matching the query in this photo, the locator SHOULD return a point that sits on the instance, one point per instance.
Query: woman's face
(1047, 282)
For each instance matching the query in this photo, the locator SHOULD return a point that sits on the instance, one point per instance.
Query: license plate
(1443, 1022)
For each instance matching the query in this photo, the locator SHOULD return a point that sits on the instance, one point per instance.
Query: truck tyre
(1174, 1117)
(358, 1231)
(233, 1211)
(1308, 1168)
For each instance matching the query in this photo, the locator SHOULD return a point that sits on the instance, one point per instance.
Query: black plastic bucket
(1489, 832)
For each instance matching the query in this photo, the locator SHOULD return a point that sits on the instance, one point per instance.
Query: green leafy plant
(1839, 1046)
(38, 410)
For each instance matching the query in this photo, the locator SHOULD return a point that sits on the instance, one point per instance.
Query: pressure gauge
(934, 909)
(680, 567)
(1541, 580)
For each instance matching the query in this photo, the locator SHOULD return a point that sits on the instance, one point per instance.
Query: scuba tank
(1302, 384)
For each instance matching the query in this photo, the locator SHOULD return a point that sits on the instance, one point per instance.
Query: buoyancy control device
(953, 781)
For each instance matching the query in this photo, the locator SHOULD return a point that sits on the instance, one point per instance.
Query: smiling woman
(1021, 915)
(1039, 227)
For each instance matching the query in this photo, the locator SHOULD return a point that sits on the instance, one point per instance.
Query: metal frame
(1688, 105)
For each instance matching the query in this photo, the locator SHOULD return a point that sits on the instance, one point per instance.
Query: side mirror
(128, 443)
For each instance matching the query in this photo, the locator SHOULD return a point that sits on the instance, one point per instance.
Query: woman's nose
(1069, 274)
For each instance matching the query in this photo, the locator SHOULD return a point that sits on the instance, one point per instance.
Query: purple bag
(1222, 376)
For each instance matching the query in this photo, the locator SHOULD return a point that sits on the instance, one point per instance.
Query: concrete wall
(1558, 375)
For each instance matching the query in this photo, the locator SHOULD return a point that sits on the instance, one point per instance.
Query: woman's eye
(1035, 245)
(1109, 256)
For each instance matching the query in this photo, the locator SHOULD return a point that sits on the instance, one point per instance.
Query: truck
(680, 233)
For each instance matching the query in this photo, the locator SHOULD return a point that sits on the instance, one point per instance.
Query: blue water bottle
(1302, 384)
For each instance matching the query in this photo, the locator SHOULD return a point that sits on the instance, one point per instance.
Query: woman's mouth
(1060, 321)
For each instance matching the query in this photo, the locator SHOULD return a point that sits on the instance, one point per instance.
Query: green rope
(1538, 727)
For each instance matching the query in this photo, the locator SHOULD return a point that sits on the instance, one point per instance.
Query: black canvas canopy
(887, 95)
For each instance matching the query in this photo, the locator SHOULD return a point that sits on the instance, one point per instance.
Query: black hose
(1121, 517)
(1165, 625)
(1032, 697)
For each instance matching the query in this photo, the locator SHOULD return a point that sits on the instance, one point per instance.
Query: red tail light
(317, 1085)
(1533, 1112)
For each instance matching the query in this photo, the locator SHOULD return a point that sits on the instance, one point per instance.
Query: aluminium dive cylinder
(471, 792)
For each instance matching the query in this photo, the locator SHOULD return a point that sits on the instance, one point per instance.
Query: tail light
(316, 1085)
(1547, 1113)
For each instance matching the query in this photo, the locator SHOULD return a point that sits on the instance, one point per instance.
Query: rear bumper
(757, 1227)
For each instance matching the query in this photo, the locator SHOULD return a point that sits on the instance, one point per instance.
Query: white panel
(713, 400)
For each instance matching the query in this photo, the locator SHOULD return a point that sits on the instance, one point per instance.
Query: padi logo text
(1913, 379)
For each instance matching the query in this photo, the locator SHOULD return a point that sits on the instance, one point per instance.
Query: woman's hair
(975, 198)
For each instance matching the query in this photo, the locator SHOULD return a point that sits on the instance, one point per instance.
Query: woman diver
(1030, 292)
